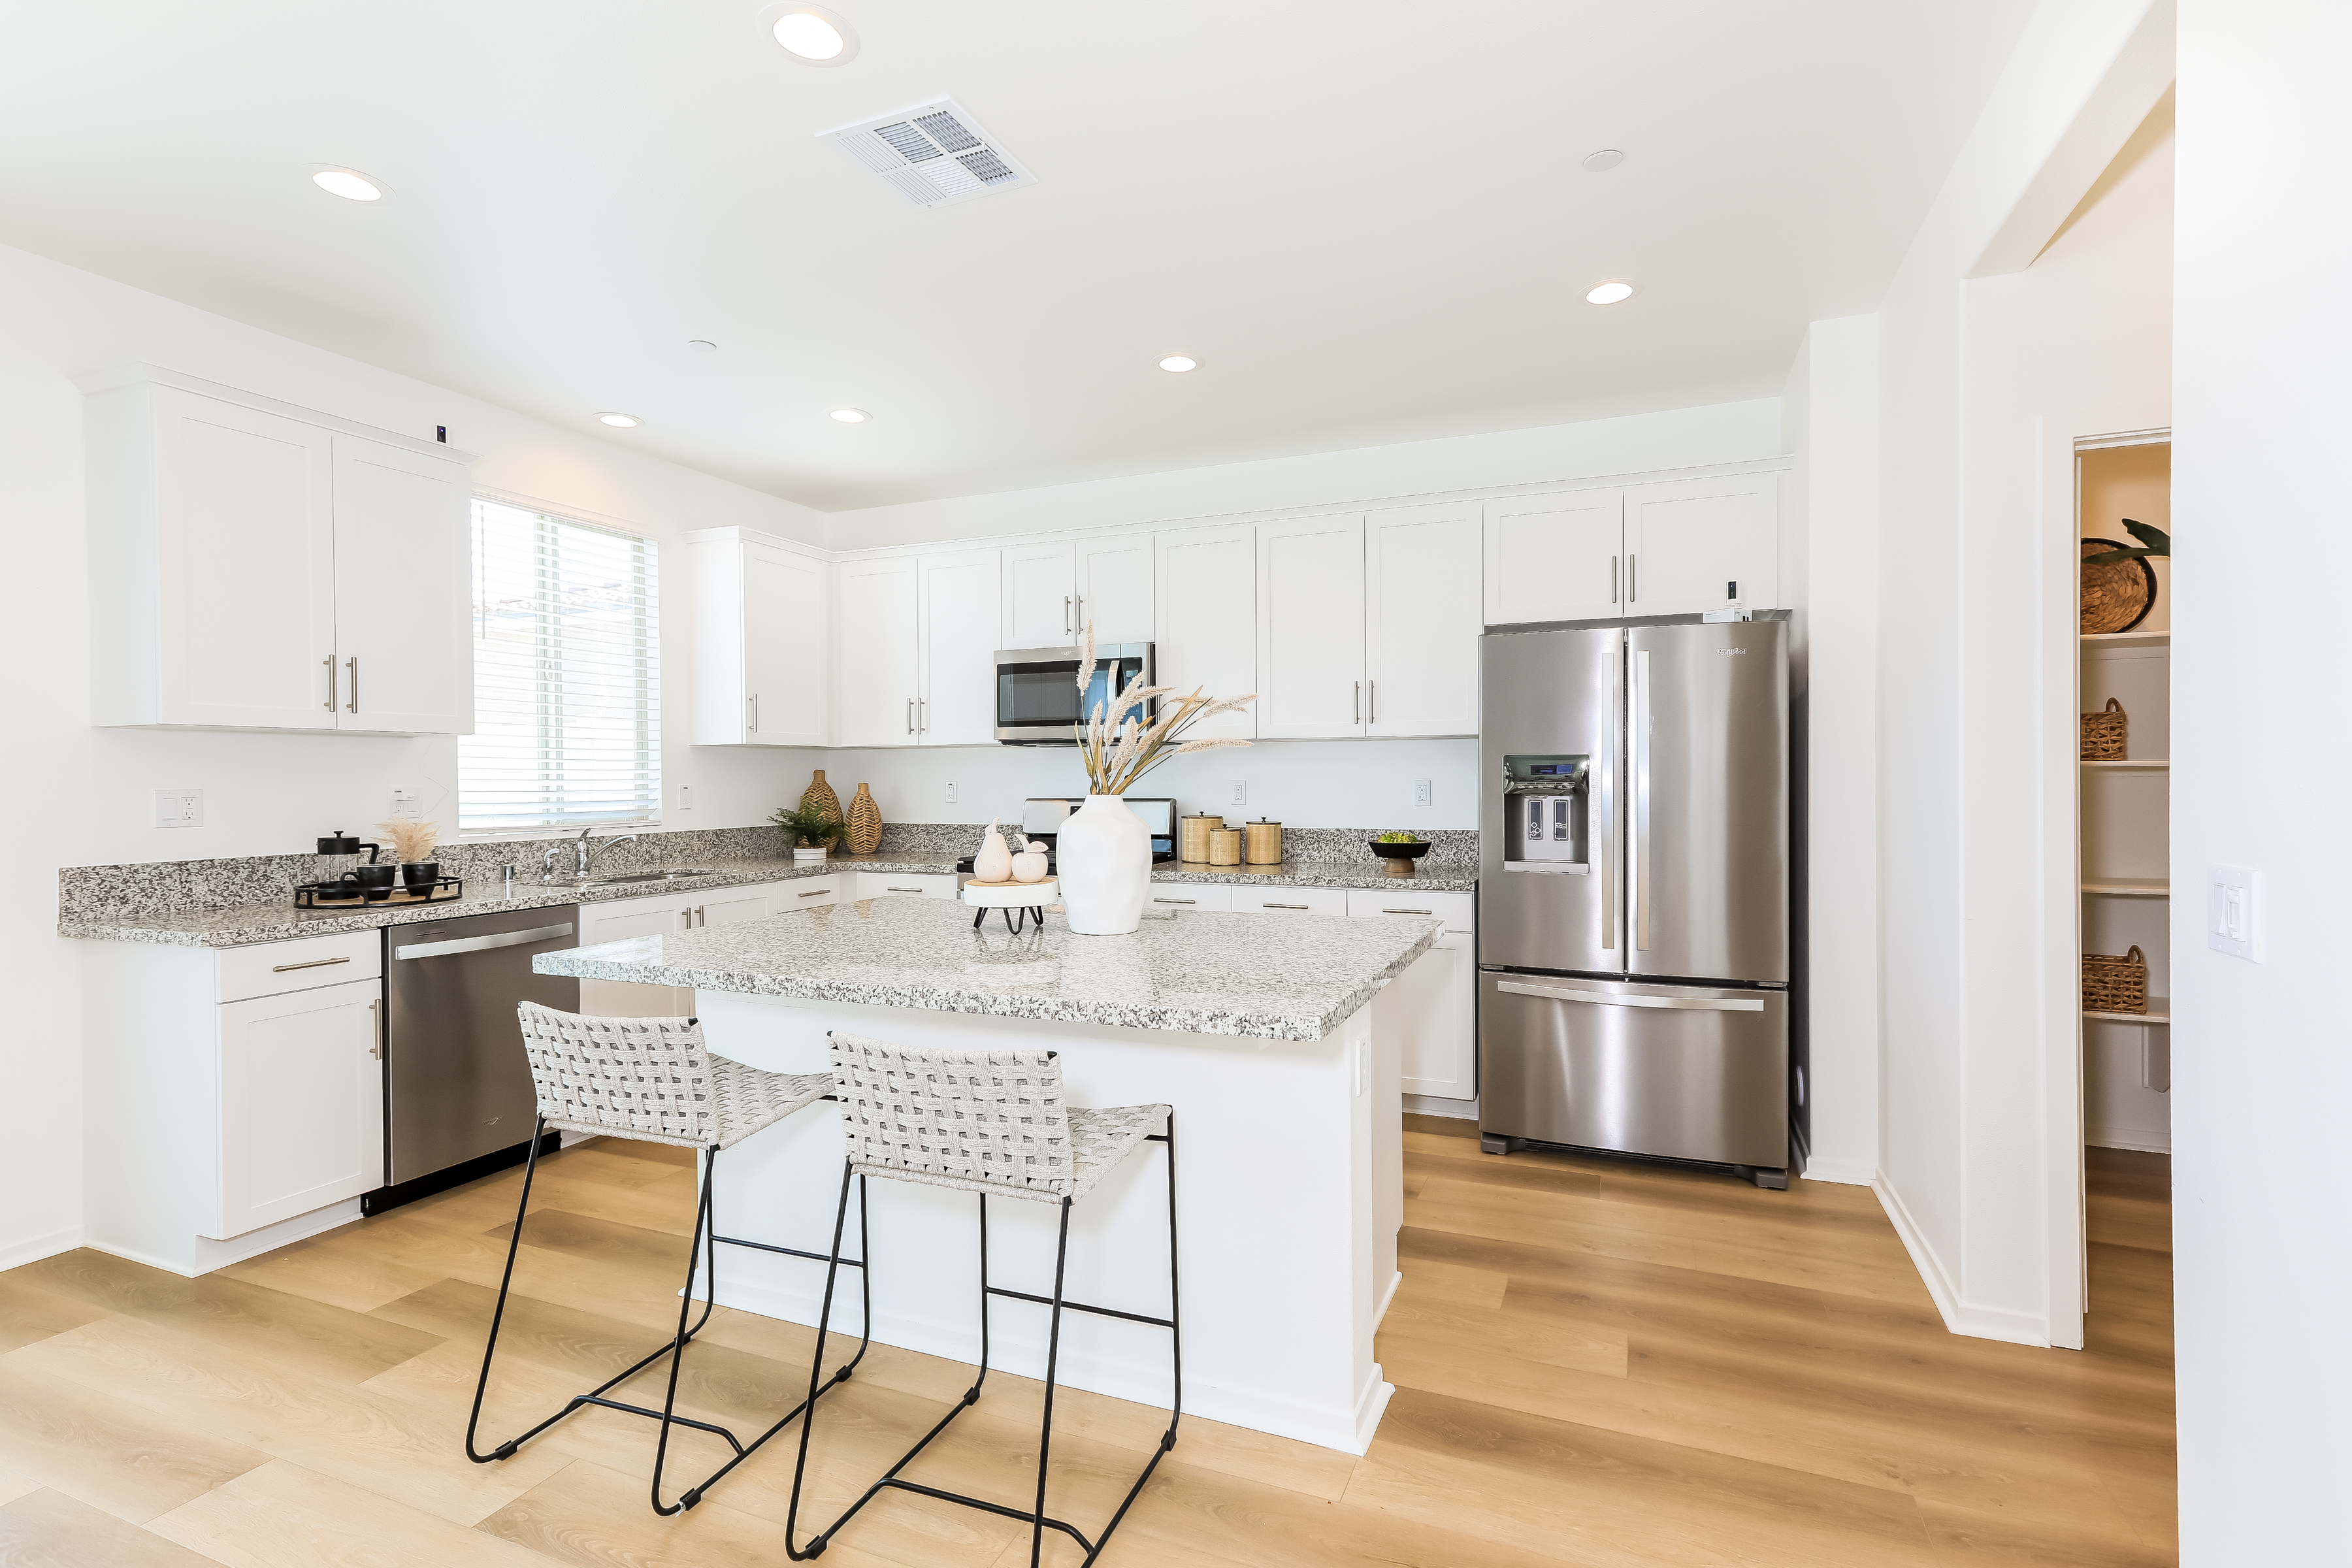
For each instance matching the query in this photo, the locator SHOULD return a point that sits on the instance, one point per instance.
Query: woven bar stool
(652, 1079)
(991, 1122)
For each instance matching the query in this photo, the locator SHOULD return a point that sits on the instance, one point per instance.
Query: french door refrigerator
(1634, 890)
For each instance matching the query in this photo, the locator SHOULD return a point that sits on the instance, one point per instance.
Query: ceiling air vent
(933, 154)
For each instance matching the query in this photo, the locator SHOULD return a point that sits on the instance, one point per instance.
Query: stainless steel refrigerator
(1634, 890)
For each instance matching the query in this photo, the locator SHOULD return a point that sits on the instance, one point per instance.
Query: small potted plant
(811, 833)
(1399, 849)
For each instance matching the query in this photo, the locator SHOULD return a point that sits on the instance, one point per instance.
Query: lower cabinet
(1290, 900)
(624, 918)
(1439, 1003)
(300, 1103)
(904, 884)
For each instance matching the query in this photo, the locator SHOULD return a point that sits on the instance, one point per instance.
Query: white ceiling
(1365, 218)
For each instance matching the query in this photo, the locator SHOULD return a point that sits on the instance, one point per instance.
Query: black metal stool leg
(1053, 1359)
(499, 1313)
(816, 1365)
(705, 1228)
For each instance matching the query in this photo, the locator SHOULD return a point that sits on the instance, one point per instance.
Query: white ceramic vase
(1103, 857)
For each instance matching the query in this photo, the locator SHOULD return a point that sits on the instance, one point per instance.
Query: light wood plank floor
(1596, 1364)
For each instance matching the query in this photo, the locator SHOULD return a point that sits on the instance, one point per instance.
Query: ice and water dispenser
(1544, 801)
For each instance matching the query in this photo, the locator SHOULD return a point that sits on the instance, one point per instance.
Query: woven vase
(864, 823)
(819, 796)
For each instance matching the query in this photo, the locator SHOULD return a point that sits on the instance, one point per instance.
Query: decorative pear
(1029, 865)
(993, 863)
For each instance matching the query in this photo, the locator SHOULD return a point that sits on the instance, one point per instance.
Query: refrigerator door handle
(1639, 724)
(1610, 999)
(1602, 835)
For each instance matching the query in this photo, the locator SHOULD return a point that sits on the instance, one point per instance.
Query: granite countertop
(1208, 974)
(245, 924)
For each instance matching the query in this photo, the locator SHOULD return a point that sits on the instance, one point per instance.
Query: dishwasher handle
(481, 944)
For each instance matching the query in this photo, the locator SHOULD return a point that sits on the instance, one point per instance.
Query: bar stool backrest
(986, 1122)
(648, 1078)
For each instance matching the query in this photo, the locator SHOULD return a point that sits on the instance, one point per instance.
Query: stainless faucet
(584, 852)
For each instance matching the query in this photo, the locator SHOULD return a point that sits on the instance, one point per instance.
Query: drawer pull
(1408, 912)
(1286, 906)
(902, 889)
(1613, 999)
(314, 964)
(1175, 901)
(816, 893)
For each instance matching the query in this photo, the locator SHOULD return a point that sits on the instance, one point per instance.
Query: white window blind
(567, 707)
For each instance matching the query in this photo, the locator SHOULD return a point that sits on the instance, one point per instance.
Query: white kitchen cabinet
(877, 649)
(1556, 557)
(259, 567)
(1458, 910)
(617, 921)
(1175, 897)
(1206, 583)
(1423, 592)
(1041, 596)
(762, 642)
(1114, 587)
(1701, 544)
(962, 621)
(1249, 901)
(1436, 1001)
(905, 884)
(1310, 628)
(300, 1105)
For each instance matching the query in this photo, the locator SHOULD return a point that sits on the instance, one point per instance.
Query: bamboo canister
(1192, 835)
(1225, 847)
(1263, 845)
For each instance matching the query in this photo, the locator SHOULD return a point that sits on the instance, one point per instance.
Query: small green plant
(816, 829)
(1398, 837)
(2152, 542)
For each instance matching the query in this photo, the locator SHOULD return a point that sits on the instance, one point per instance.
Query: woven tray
(2106, 734)
(2114, 984)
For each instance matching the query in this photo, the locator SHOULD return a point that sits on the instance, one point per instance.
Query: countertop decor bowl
(1402, 851)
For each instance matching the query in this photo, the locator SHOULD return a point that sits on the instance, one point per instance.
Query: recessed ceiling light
(620, 421)
(1600, 163)
(1178, 364)
(702, 345)
(852, 415)
(810, 33)
(351, 184)
(1609, 294)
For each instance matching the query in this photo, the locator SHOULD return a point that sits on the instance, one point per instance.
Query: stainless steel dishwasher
(457, 1096)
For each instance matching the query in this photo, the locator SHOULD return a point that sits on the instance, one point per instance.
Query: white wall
(1966, 372)
(75, 795)
(2262, 1070)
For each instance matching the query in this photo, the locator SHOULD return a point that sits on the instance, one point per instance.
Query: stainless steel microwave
(1038, 703)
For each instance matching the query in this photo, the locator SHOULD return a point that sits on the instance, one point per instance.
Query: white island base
(1289, 1192)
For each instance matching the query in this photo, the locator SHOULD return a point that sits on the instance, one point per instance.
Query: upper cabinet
(1041, 596)
(962, 628)
(762, 642)
(1421, 590)
(255, 567)
(1207, 589)
(878, 653)
(1310, 628)
(1113, 588)
(1703, 544)
(1555, 557)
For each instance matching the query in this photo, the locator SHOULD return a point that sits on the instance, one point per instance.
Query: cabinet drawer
(1168, 897)
(808, 893)
(1290, 900)
(900, 884)
(268, 968)
(1458, 910)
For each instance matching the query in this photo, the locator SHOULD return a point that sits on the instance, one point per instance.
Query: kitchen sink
(616, 879)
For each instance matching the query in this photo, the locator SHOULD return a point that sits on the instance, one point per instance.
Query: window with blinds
(567, 709)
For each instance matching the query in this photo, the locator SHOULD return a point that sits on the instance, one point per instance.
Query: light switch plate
(2233, 920)
(179, 808)
(686, 797)
(953, 791)
(1424, 793)
(405, 804)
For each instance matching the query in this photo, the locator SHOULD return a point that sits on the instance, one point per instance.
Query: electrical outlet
(1424, 793)
(179, 808)
(1241, 793)
(686, 797)
(953, 791)
(405, 806)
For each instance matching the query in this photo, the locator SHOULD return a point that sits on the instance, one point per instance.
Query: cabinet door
(1207, 584)
(617, 921)
(876, 650)
(964, 626)
(1555, 557)
(403, 634)
(1703, 544)
(903, 884)
(301, 1104)
(1041, 597)
(246, 566)
(1311, 639)
(787, 648)
(731, 906)
(1434, 1005)
(1114, 588)
(1422, 609)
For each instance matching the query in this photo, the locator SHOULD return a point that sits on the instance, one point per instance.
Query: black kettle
(340, 853)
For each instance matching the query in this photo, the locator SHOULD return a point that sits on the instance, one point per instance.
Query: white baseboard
(1387, 1295)
(1430, 1105)
(1370, 1409)
(1846, 1172)
(204, 1254)
(33, 1248)
(2134, 1138)
(1960, 1317)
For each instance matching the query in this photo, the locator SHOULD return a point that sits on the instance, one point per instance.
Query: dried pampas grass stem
(411, 840)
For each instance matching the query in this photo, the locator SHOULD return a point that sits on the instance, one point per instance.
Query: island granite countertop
(246, 923)
(1206, 974)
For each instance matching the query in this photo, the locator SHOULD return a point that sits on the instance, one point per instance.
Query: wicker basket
(2106, 734)
(2112, 985)
(2118, 595)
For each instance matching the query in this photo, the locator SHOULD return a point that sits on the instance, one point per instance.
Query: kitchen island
(1275, 1043)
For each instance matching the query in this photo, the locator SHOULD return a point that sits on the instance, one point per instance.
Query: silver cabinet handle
(922, 719)
(1631, 593)
(816, 892)
(330, 662)
(902, 889)
(480, 944)
(910, 715)
(1371, 702)
(376, 1028)
(1286, 906)
(313, 963)
(754, 700)
(354, 666)
(1408, 912)
(1641, 865)
(1359, 701)
(1065, 614)
(1081, 622)
(1612, 579)
(1175, 901)
(1608, 999)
